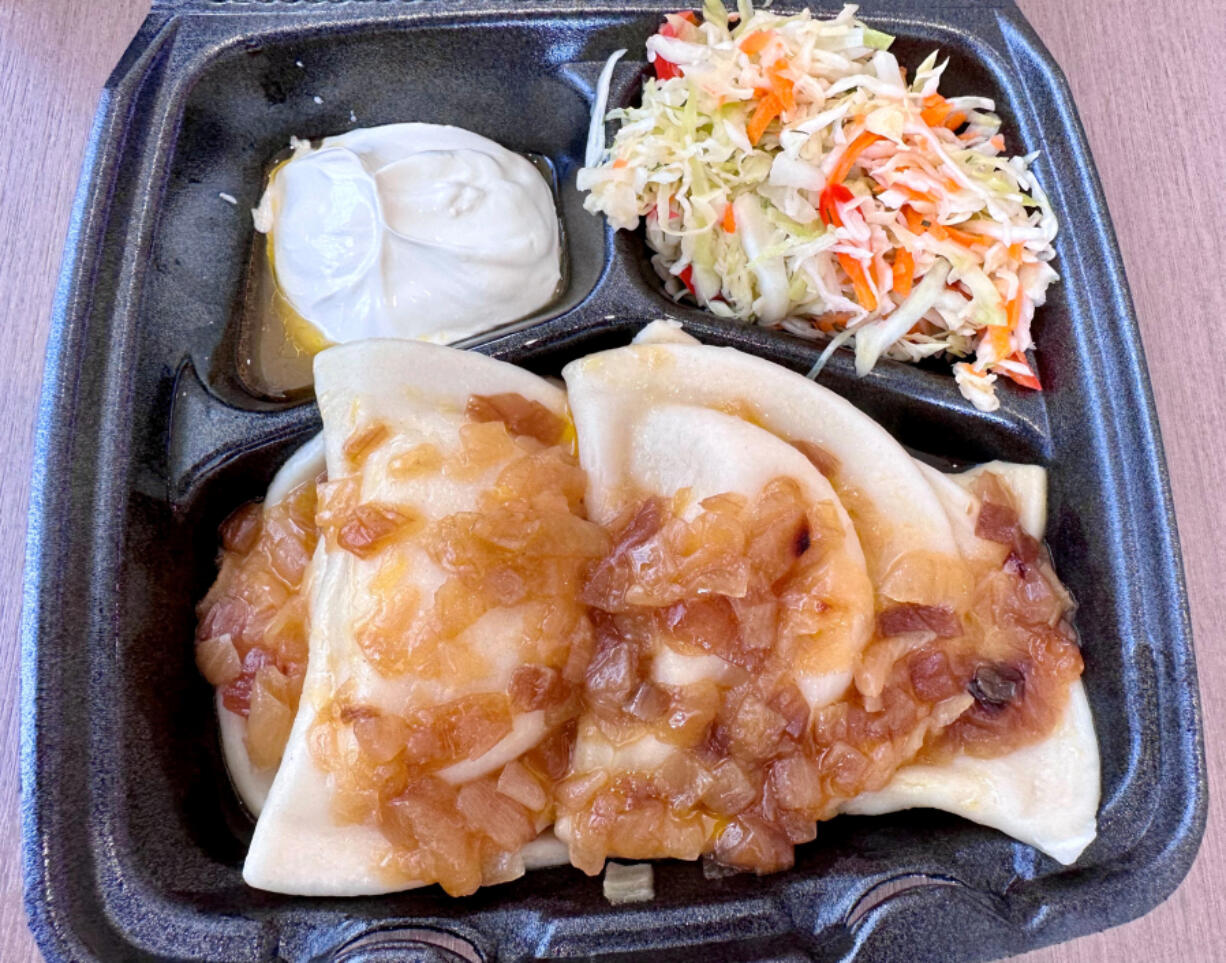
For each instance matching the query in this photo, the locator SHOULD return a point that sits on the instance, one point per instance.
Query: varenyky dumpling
(749, 609)
(945, 618)
(1044, 793)
(444, 617)
(734, 602)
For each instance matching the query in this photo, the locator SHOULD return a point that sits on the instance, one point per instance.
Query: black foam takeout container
(133, 840)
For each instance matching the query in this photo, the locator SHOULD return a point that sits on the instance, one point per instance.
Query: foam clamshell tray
(133, 839)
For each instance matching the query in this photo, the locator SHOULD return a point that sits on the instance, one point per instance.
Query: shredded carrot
(939, 112)
(965, 238)
(942, 232)
(904, 271)
(855, 271)
(767, 110)
(782, 87)
(1015, 251)
(913, 194)
(729, 221)
(620, 163)
(936, 109)
(753, 43)
(1013, 312)
(997, 141)
(997, 338)
(1030, 380)
(850, 153)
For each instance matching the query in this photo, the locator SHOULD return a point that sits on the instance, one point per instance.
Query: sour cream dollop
(410, 231)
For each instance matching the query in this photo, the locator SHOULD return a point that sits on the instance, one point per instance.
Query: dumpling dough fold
(398, 432)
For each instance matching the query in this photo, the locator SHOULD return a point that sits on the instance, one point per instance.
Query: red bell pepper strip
(666, 69)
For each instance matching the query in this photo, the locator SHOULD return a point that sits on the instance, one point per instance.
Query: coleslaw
(791, 174)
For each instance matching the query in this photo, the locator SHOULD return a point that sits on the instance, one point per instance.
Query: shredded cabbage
(789, 175)
(595, 134)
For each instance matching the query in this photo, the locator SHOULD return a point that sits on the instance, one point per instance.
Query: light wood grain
(1149, 89)
(1149, 94)
(54, 59)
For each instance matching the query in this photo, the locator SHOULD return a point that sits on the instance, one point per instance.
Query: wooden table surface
(1149, 87)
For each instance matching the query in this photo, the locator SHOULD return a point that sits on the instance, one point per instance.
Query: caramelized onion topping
(536, 687)
(251, 634)
(819, 457)
(740, 581)
(524, 546)
(521, 416)
(241, 529)
(907, 617)
(363, 441)
(996, 686)
(729, 587)
(370, 526)
(218, 660)
(997, 523)
(752, 769)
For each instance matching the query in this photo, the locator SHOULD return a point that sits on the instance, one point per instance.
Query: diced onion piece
(796, 783)
(380, 736)
(629, 884)
(752, 843)
(518, 784)
(489, 812)
(268, 722)
(731, 791)
(218, 660)
(241, 529)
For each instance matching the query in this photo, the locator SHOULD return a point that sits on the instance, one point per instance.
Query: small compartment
(974, 70)
(248, 101)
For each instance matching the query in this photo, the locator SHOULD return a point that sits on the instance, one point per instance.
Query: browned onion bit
(995, 686)
(819, 457)
(904, 617)
(714, 582)
(521, 416)
(370, 526)
(240, 530)
(536, 687)
(363, 441)
(251, 635)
